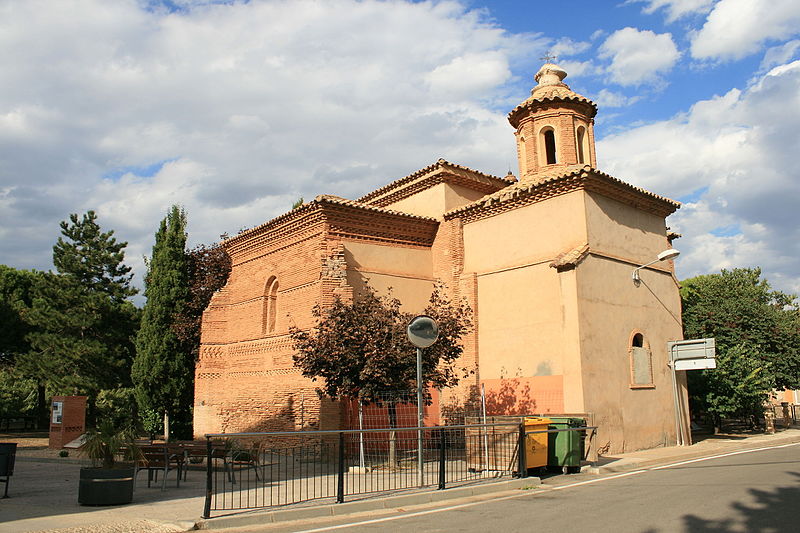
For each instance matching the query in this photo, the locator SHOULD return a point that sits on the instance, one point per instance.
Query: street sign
(693, 354)
(695, 364)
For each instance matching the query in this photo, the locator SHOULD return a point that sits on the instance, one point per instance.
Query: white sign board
(58, 411)
(693, 354)
(694, 364)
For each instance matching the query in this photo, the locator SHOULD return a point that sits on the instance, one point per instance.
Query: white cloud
(638, 56)
(734, 155)
(737, 28)
(606, 98)
(675, 8)
(778, 55)
(239, 109)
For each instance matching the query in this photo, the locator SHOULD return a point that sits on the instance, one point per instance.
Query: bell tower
(554, 127)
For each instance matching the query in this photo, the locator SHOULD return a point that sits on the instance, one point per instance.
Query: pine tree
(93, 257)
(81, 326)
(163, 370)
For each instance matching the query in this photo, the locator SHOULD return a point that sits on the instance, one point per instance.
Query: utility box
(566, 448)
(67, 420)
(536, 443)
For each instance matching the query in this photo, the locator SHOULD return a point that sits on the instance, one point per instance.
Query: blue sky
(236, 109)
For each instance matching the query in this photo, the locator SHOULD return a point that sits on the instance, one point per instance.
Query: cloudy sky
(236, 109)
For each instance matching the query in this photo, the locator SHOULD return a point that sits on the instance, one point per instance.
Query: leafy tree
(17, 394)
(360, 349)
(163, 368)
(757, 332)
(738, 387)
(16, 292)
(93, 257)
(80, 325)
(81, 340)
(207, 271)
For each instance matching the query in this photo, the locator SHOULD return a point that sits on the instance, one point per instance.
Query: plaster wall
(622, 231)
(611, 310)
(406, 271)
(533, 234)
(527, 319)
(436, 200)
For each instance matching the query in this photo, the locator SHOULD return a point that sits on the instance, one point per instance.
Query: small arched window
(581, 140)
(641, 362)
(270, 305)
(549, 138)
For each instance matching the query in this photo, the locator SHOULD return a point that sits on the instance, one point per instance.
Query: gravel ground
(136, 526)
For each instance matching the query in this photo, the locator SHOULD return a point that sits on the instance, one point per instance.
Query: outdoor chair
(242, 459)
(159, 458)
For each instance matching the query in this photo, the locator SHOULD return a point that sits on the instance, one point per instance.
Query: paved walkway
(43, 492)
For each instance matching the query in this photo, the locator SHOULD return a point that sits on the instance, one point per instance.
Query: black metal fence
(265, 470)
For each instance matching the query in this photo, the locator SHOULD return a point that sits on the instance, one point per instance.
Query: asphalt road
(756, 491)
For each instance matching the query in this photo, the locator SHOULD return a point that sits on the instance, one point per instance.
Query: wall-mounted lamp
(672, 253)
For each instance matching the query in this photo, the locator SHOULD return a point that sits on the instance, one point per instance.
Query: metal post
(485, 431)
(593, 455)
(361, 435)
(340, 484)
(442, 458)
(523, 460)
(677, 405)
(420, 419)
(209, 485)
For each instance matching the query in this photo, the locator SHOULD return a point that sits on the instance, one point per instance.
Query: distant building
(545, 262)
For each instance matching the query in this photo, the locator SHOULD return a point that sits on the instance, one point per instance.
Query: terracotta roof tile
(544, 180)
(440, 164)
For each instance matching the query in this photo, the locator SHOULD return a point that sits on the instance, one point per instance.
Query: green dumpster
(565, 448)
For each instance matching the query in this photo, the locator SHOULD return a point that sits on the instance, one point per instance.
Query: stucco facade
(545, 262)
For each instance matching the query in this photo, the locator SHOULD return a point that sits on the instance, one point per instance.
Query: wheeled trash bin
(566, 448)
(536, 443)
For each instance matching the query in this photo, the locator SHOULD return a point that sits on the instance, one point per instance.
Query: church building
(545, 262)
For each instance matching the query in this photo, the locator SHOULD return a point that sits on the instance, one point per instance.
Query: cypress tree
(163, 370)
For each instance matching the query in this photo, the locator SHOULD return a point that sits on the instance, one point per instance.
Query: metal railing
(269, 470)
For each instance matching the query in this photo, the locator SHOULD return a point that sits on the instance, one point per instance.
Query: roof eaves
(439, 165)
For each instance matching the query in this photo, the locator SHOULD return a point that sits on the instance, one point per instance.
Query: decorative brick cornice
(333, 216)
(576, 178)
(552, 97)
(440, 172)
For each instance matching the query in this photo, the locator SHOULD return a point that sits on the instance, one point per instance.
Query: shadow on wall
(292, 416)
(772, 511)
(512, 397)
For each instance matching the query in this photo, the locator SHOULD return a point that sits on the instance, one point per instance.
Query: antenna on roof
(548, 58)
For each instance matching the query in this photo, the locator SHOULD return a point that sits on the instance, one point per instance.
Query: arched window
(581, 141)
(549, 141)
(641, 361)
(270, 305)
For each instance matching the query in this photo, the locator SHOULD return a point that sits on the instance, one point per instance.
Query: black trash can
(8, 454)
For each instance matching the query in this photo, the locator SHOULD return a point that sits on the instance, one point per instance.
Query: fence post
(209, 485)
(442, 458)
(340, 477)
(523, 460)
